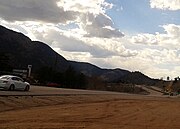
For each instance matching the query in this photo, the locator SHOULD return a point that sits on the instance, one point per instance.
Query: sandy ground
(90, 112)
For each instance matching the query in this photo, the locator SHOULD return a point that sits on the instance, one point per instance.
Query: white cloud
(68, 41)
(113, 46)
(165, 4)
(112, 52)
(169, 39)
(92, 36)
(88, 15)
(158, 54)
(145, 39)
(96, 47)
(85, 6)
(99, 26)
(172, 30)
(152, 62)
(39, 10)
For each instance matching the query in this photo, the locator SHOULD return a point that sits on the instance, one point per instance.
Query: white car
(9, 82)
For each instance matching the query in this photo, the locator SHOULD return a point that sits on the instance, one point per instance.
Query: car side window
(19, 79)
(14, 78)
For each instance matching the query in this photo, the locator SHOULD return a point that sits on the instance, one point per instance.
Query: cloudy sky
(137, 35)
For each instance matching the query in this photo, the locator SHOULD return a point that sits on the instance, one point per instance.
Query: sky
(136, 35)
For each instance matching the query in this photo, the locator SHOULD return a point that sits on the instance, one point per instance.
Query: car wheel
(12, 87)
(27, 88)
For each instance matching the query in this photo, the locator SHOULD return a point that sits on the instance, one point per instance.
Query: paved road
(154, 91)
(51, 91)
(48, 91)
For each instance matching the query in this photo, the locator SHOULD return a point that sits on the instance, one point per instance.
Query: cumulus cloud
(169, 39)
(92, 36)
(172, 30)
(111, 53)
(145, 39)
(31, 10)
(99, 26)
(165, 4)
(160, 56)
(87, 6)
(69, 43)
(152, 62)
(93, 18)
(165, 64)
(89, 15)
(96, 47)
(156, 52)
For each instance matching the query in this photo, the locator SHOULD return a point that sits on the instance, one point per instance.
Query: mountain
(90, 70)
(21, 52)
(137, 78)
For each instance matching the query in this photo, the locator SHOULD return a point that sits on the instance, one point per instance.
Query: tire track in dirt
(93, 112)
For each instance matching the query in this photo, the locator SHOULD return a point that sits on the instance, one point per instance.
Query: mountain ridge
(105, 74)
(22, 51)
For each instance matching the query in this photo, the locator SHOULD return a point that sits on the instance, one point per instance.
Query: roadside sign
(20, 72)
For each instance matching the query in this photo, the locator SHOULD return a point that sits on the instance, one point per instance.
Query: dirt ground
(90, 112)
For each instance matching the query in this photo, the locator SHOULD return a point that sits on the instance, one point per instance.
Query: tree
(74, 79)
(69, 79)
(44, 74)
(4, 63)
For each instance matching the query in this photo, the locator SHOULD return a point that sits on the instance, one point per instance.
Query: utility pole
(29, 70)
